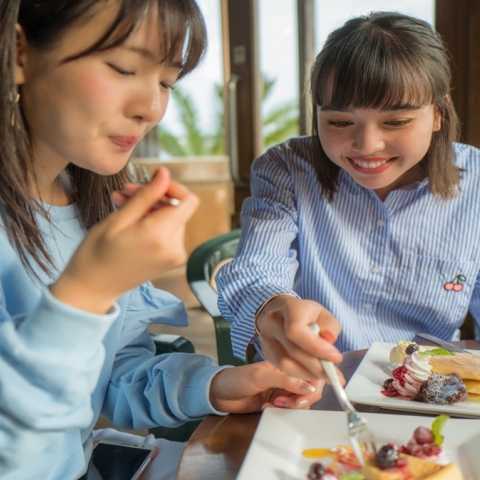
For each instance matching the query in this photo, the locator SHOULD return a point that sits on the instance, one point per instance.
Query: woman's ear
(21, 54)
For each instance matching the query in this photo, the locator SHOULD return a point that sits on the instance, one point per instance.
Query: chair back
(202, 265)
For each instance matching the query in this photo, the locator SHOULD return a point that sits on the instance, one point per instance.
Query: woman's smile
(370, 165)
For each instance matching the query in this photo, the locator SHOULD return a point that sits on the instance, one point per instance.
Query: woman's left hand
(250, 388)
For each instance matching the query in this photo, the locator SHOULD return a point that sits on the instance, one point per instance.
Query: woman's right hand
(288, 341)
(134, 244)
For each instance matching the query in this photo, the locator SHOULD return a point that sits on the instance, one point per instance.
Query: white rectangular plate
(367, 382)
(282, 435)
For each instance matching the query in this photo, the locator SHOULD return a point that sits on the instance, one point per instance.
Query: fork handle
(331, 373)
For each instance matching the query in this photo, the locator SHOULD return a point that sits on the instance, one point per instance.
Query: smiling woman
(359, 226)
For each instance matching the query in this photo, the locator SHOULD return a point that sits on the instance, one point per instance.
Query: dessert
(422, 458)
(398, 353)
(465, 365)
(417, 469)
(442, 390)
(432, 376)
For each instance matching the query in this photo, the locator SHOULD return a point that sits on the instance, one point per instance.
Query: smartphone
(117, 460)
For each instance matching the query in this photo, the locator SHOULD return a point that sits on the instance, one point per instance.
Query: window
(193, 123)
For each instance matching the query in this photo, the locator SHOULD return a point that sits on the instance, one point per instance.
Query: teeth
(370, 164)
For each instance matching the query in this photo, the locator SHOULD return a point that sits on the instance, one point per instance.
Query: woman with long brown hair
(82, 82)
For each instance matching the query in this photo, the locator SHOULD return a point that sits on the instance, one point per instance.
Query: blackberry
(413, 347)
(386, 457)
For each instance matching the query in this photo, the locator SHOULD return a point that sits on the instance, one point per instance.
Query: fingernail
(280, 403)
(302, 404)
(327, 335)
(306, 387)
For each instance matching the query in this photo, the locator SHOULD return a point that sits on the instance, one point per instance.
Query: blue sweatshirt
(60, 367)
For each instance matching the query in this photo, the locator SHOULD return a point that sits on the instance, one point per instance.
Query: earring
(14, 98)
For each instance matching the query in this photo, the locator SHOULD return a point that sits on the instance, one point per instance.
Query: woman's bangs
(183, 33)
(378, 82)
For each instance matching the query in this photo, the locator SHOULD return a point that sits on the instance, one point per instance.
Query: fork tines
(361, 438)
(138, 173)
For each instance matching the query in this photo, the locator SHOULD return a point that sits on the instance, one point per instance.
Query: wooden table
(218, 446)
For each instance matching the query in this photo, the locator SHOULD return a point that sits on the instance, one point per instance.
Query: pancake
(473, 397)
(473, 386)
(418, 469)
(464, 365)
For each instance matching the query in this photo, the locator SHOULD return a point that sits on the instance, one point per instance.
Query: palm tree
(279, 123)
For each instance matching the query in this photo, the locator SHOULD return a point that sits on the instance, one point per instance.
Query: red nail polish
(328, 336)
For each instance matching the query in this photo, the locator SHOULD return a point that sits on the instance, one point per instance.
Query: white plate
(282, 435)
(366, 384)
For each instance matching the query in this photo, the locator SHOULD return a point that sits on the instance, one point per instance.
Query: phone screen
(117, 462)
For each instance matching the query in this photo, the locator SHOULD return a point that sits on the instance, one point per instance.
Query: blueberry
(386, 457)
(387, 383)
(316, 472)
(413, 347)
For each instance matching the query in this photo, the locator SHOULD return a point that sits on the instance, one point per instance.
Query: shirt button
(375, 270)
(381, 223)
(368, 306)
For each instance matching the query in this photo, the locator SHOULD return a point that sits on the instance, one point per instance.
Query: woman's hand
(134, 244)
(250, 388)
(289, 343)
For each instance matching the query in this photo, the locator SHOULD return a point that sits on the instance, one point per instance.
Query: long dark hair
(44, 24)
(382, 61)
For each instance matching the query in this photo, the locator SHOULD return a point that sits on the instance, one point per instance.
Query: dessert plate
(282, 435)
(366, 383)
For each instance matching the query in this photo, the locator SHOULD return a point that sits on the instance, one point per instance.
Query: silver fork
(361, 437)
(139, 174)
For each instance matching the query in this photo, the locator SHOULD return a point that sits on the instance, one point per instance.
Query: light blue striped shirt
(380, 267)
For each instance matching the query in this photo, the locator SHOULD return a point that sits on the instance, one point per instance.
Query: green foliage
(279, 123)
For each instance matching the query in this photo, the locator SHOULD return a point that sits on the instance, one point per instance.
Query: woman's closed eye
(119, 70)
(167, 86)
(399, 123)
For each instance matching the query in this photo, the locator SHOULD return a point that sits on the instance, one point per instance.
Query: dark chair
(166, 343)
(202, 266)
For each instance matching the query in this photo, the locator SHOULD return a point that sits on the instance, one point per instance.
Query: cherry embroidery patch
(455, 285)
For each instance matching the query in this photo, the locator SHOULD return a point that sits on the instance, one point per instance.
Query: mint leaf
(437, 426)
(436, 351)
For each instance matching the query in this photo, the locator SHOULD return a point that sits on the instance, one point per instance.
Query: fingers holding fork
(139, 175)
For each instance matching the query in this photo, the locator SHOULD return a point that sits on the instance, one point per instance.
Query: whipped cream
(409, 377)
(397, 354)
